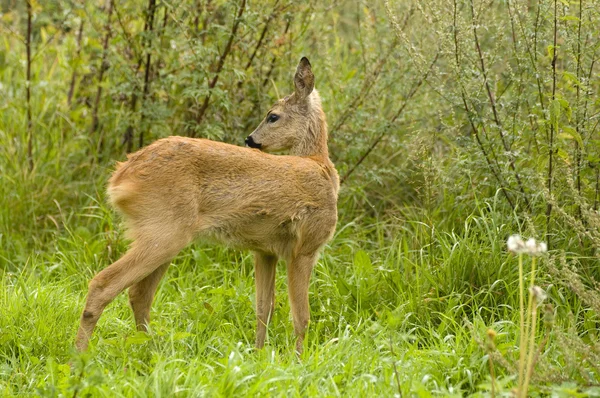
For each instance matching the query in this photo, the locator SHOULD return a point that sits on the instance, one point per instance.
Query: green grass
(392, 304)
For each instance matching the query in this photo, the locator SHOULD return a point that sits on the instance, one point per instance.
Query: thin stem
(220, 64)
(102, 69)
(495, 110)
(151, 11)
(28, 89)
(522, 341)
(531, 350)
(577, 114)
(368, 83)
(529, 324)
(597, 188)
(377, 140)
(551, 142)
(77, 55)
(492, 375)
(492, 166)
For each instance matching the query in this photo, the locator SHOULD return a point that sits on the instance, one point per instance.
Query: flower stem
(522, 331)
(531, 353)
(529, 329)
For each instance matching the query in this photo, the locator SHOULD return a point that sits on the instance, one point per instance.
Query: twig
(412, 92)
(577, 114)
(131, 44)
(551, 142)
(396, 369)
(220, 64)
(103, 68)
(263, 33)
(150, 19)
(77, 55)
(273, 62)
(270, 18)
(274, 59)
(488, 160)
(129, 131)
(42, 47)
(533, 56)
(494, 108)
(28, 88)
(368, 83)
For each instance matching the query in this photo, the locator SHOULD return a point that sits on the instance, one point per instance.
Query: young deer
(180, 189)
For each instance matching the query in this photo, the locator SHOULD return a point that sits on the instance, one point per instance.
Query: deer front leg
(299, 270)
(264, 270)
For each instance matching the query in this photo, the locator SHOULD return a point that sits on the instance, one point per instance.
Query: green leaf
(555, 112)
(569, 18)
(565, 106)
(362, 262)
(181, 335)
(137, 338)
(564, 155)
(569, 133)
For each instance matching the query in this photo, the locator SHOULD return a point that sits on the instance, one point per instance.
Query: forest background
(453, 123)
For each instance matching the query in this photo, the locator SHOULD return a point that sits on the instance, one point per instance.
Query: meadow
(454, 124)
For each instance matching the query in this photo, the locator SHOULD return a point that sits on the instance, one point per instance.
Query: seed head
(538, 293)
(515, 244)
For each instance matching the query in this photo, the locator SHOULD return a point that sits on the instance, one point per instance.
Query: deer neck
(314, 143)
(314, 146)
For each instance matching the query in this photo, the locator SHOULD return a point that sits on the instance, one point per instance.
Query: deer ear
(304, 80)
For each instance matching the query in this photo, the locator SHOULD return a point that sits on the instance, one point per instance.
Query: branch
(263, 33)
(368, 83)
(150, 20)
(28, 89)
(377, 140)
(551, 143)
(470, 117)
(220, 65)
(494, 109)
(103, 68)
(77, 55)
(274, 59)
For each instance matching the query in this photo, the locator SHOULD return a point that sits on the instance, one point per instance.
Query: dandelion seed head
(539, 293)
(515, 244)
(530, 247)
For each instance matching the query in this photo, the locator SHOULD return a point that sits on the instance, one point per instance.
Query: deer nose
(250, 143)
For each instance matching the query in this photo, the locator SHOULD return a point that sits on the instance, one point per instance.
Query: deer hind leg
(141, 295)
(144, 257)
(299, 270)
(264, 269)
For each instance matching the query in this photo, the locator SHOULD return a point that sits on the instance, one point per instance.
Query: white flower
(539, 294)
(515, 244)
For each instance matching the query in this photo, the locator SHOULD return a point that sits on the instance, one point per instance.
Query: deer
(178, 190)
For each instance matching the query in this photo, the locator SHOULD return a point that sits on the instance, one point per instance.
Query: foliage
(454, 123)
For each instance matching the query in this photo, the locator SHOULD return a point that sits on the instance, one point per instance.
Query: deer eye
(272, 118)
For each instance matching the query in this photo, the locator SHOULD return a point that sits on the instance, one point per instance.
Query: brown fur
(178, 189)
